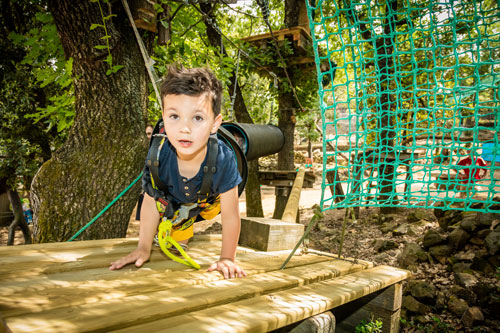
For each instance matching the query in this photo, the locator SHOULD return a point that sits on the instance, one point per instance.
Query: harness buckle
(183, 213)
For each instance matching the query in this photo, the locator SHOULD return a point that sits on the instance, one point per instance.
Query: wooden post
(384, 305)
(333, 178)
(303, 19)
(267, 234)
(292, 205)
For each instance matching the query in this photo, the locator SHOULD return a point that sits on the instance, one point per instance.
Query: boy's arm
(231, 223)
(147, 230)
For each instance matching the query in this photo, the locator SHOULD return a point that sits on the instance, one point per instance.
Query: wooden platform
(67, 287)
(284, 178)
(298, 37)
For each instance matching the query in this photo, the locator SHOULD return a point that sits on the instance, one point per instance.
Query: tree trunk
(387, 132)
(19, 220)
(6, 214)
(286, 123)
(106, 146)
(253, 199)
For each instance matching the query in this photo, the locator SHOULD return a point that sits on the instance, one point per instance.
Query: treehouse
(300, 39)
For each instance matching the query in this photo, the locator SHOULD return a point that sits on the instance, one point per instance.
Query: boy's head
(193, 82)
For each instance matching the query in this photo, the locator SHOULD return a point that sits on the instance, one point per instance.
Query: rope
(316, 217)
(147, 60)
(105, 209)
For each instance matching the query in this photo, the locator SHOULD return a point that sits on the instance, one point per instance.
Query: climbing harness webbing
(166, 241)
(186, 212)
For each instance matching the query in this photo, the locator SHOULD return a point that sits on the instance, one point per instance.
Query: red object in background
(477, 169)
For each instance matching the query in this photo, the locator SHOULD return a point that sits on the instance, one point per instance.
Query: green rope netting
(409, 94)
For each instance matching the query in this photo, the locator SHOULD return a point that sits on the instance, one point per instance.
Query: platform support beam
(384, 305)
(320, 323)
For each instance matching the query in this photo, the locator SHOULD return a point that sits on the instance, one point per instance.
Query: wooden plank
(251, 261)
(121, 312)
(284, 178)
(292, 205)
(40, 248)
(36, 296)
(276, 33)
(272, 311)
(51, 262)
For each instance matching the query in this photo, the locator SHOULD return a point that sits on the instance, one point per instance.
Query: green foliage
(306, 126)
(35, 83)
(109, 59)
(373, 326)
(45, 58)
(189, 46)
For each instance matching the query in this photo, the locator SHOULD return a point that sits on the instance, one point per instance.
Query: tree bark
(19, 220)
(286, 121)
(253, 199)
(385, 54)
(6, 215)
(106, 146)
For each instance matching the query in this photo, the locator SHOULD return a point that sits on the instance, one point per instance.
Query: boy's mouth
(185, 143)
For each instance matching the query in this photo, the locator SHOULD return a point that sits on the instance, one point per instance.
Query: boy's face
(189, 121)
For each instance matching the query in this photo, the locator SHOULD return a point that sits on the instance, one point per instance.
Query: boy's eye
(173, 116)
(198, 118)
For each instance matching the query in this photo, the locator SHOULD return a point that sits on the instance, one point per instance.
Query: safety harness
(181, 217)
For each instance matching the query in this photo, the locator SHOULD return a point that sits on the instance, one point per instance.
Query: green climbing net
(409, 93)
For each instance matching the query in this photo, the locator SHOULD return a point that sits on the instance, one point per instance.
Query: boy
(191, 113)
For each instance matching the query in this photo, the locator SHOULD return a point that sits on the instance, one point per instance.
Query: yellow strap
(164, 237)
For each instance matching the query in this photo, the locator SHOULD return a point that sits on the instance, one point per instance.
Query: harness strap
(209, 169)
(153, 161)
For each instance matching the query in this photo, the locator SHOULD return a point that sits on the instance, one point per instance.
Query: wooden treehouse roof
(67, 287)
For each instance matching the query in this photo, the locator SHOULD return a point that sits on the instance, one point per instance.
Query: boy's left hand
(227, 268)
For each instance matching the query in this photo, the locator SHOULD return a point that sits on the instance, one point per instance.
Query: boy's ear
(217, 123)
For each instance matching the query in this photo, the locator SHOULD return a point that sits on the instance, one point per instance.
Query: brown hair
(192, 82)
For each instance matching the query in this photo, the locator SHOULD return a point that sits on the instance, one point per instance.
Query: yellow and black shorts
(184, 231)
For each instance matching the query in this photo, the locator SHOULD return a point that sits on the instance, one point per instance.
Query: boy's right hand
(139, 256)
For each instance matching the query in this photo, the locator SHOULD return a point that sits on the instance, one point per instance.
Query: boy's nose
(185, 127)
